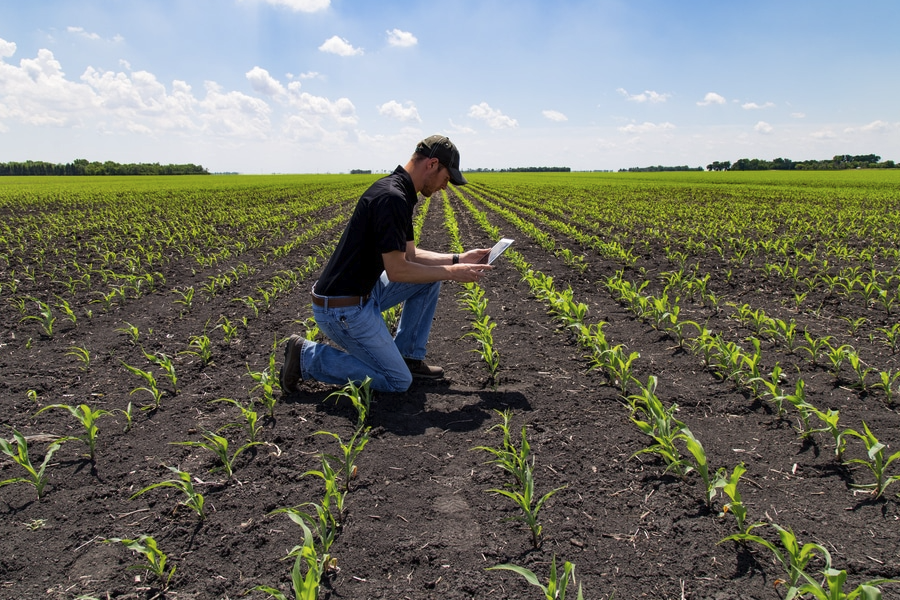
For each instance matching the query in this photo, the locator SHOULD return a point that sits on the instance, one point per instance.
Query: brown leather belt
(338, 301)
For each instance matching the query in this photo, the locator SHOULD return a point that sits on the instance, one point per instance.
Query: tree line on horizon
(838, 162)
(83, 167)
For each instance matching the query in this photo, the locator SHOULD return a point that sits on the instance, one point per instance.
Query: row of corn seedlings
(659, 423)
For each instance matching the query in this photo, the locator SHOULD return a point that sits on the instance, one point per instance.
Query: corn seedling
(83, 356)
(88, 418)
(875, 461)
(127, 413)
(829, 419)
(66, 308)
(887, 383)
(360, 396)
(200, 346)
(44, 317)
(817, 346)
(798, 400)
(835, 581)
(266, 380)
(131, 331)
(658, 422)
(18, 451)
(350, 451)
(320, 520)
(218, 445)
(251, 418)
(305, 587)
(332, 488)
(229, 331)
(891, 337)
(186, 297)
(155, 559)
(150, 386)
(736, 506)
(701, 465)
(193, 500)
(509, 458)
(524, 498)
(557, 584)
(792, 557)
(859, 368)
(164, 362)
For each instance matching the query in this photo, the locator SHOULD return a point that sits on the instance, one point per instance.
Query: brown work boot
(419, 369)
(291, 375)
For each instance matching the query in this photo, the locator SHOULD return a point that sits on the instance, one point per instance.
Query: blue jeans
(368, 348)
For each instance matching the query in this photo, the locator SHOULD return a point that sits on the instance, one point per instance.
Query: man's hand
(478, 255)
(468, 272)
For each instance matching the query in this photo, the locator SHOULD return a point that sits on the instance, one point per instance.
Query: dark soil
(420, 521)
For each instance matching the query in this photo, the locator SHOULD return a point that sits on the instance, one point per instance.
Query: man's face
(437, 178)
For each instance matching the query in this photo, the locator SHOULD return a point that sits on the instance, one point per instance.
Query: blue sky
(314, 86)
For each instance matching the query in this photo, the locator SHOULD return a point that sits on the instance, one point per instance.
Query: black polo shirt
(382, 222)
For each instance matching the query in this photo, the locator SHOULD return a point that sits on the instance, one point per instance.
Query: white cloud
(401, 39)
(400, 112)
(762, 127)
(646, 96)
(555, 115)
(308, 6)
(711, 98)
(798, 115)
(340, 46)
(876, 127)
(646, 127)
(7, 49)
(494, 118)
(341, 111)
(233, 114)
(37, 92)
(263, 83)
(825, 134)
(755, 106)
(81, 32)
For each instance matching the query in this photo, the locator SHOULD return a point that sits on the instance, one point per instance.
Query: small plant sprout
(835, 580)
(218, 445)
(360, 396)
(701, 465)
(193, 499)
(251, 418)
(155, 559)
(165, 363)
(556, 584)
(524, 498)
(150, 386)
(320, 520)
(736, 506)
(200, 346)
(44, 317)
(129, 417)
(888, 383)
(88, 418)
(266, 382)
(876, 461)
(332, 487)
(349, 453)
(131, 331)
(829, 419)
(305, 587)
(18, 451)
(82, 354)
(186, 298)
(792, 557)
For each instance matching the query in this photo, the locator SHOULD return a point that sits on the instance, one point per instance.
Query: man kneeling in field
(376, 266)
